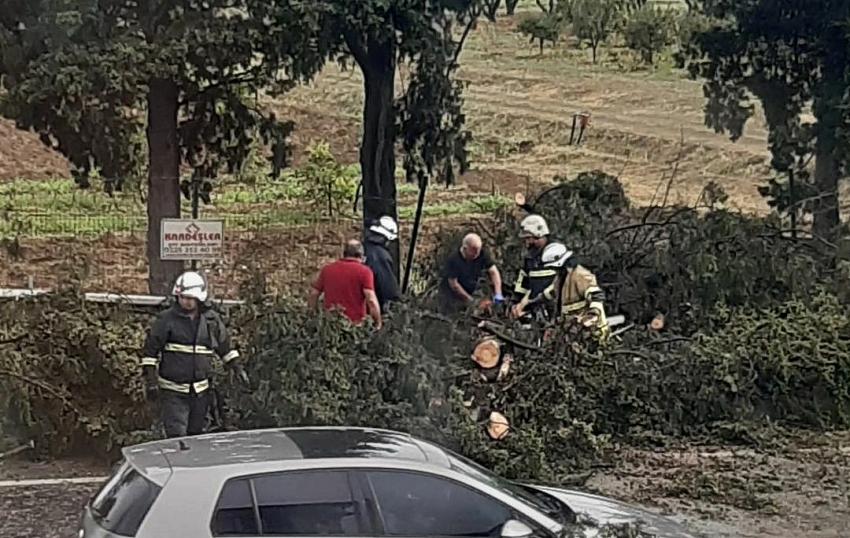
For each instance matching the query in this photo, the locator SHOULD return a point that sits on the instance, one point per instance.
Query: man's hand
(239, 372)
(518, 309)
(589, 319)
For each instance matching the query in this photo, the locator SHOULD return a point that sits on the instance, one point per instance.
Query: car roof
(281, 445)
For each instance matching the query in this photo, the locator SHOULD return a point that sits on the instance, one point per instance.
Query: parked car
(331, 482)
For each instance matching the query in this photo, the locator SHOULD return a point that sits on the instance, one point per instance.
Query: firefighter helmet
(191, 284)
(387, 227)
(533, 226)
(555, 255)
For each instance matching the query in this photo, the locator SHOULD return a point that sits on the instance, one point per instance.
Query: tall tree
(190, 65)
(791, 55)
(381, 35)
(593, 20)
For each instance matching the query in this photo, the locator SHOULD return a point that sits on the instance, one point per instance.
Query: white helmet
(191, 284)
(555, 255)
(387, 227)
(533, 226)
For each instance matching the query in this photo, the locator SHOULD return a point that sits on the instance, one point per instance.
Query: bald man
(462, 272)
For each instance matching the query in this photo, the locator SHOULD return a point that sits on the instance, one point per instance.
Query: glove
(498, 299)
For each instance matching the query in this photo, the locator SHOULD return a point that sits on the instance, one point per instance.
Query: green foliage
(80, 77)
(679, 261)
(594, 20)
(541, 27)
(328, 184)
(789, 57)
(649, 31)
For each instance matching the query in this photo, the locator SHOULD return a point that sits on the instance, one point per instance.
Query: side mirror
(516, 529)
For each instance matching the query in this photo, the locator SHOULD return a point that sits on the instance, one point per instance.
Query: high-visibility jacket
(182, 348)
(534, 279)
(581, 294)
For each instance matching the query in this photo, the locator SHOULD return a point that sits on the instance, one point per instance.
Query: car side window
(123, 503)
(302, 503)
(415, 504)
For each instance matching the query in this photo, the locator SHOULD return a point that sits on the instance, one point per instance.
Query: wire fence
(108, 252)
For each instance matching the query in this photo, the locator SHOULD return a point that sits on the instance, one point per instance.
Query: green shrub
(329, 185)
(541, 27)
(649, 31)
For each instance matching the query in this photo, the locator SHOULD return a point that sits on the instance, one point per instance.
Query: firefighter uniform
(178, 355)
(581, 295)
(535, 280)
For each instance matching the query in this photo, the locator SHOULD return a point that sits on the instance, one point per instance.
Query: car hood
(610, 511)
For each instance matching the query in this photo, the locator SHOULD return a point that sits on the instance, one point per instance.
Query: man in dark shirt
(462, 272)
(380, 261)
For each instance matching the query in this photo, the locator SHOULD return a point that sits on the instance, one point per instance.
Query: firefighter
(534, 283)
(177, 357)
(579, 297)
(380, 261)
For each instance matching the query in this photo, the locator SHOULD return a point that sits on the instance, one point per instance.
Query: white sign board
(189, 239)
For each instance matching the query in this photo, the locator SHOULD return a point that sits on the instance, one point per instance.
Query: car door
(418, 504)
(304, 504)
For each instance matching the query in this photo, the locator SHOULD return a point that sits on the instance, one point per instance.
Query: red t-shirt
(343, 283)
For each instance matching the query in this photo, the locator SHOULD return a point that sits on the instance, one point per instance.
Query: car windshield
(537, 499)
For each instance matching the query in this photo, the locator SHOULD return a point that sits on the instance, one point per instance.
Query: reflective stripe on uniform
(599, 307)
(185, 388)
(542, 273)
(181, 348)
(575, 307)
(518, 287)
(150, 361)
(231, 356)
(591, 290)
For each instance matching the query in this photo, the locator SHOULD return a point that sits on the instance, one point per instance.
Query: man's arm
(313, 298)
(495, 279)
(458, 290)
(316, 291)
(373, 307)
(151, 350)
(225, 348)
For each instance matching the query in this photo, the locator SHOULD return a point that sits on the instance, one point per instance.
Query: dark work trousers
(183, 414)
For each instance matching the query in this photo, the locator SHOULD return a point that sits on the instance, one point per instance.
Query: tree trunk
(163, 180)
(826, 215)
(491, 9)
(510, 6)
(377, 149)
(826, 107)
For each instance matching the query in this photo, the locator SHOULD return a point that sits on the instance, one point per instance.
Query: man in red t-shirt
(348, 284)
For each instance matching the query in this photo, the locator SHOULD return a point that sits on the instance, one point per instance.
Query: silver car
(341, 482)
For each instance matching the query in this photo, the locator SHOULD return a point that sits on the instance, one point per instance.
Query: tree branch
(357, 48)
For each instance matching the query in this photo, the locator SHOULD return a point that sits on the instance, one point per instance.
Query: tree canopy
(91, 76)
(791, 55)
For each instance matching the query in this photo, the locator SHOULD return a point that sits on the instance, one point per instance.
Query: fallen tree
(754, 338)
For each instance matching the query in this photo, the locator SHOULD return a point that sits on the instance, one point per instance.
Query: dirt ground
(22, 155)
(721, 492)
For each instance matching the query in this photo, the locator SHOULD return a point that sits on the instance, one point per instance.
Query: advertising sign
(191, 239)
